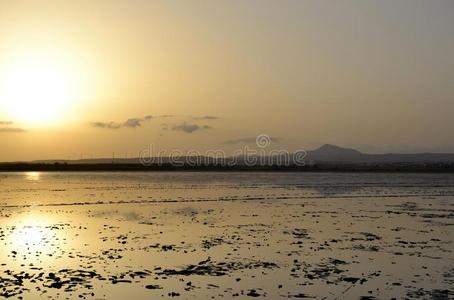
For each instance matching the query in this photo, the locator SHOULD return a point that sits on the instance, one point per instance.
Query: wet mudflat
(226, 240)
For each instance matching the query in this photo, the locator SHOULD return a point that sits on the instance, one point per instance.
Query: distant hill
(331, 153)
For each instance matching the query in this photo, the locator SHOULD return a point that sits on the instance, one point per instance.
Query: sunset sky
(88, 78)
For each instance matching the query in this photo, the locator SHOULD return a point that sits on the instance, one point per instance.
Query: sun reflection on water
(32, 233)
(33, 176)
(31, 236)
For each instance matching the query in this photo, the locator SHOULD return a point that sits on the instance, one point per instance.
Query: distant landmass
(331, 153)
(325, 158)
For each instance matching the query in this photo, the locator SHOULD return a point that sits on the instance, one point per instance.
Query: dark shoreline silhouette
(327, 158)
(322, 167)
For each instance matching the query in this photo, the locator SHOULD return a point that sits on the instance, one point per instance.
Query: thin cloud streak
(11, 130)
(248, 140)
(206, 118)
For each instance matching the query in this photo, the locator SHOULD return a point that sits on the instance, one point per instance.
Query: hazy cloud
(206, 118)
(133, 123)
(248, 140)
(130, 123)
(189, 116)
(110, 125)
(189, 127)
(137, 122)
(11, 129)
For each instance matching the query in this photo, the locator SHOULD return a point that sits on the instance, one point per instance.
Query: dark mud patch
(210, 268)
(299, 233)
(213, 242)
(435, 294)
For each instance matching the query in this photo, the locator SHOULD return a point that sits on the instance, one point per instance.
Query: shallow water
(34, 188)
(196, 235)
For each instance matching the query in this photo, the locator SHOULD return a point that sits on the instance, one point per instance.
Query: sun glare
(38, 90)
(33, 232)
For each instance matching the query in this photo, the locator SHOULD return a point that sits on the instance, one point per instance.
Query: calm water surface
(35, 188)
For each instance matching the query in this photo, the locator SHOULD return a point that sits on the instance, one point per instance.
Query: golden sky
(374, 75)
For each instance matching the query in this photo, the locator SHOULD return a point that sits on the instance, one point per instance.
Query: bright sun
(37, 89)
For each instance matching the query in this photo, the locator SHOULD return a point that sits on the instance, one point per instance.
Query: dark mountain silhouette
(331, 153)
